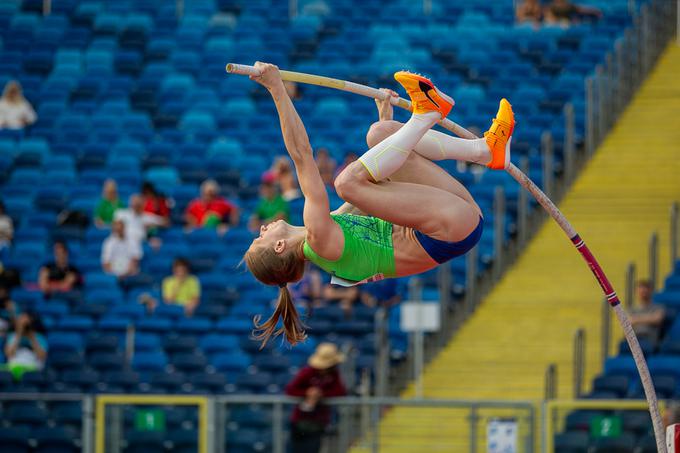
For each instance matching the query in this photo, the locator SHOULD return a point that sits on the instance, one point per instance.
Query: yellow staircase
(529, 319)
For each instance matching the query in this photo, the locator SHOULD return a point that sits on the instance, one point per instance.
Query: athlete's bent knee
(380, 130)
(352, 178)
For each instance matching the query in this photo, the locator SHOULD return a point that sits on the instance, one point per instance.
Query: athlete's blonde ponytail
(272, 268)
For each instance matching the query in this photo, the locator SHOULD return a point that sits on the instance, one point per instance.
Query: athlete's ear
(280, 246)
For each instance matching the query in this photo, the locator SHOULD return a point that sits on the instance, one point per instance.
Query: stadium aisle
(502, 352)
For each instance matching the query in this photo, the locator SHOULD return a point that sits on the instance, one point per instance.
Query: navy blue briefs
(442, 251)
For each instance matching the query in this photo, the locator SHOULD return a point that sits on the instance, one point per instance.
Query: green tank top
(368, 249)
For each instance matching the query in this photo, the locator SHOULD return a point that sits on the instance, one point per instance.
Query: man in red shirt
(320, 379)
(211, 210)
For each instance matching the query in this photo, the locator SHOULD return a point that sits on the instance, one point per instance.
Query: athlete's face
(273, 232)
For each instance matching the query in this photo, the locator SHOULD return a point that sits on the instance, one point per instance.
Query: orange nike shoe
(499, 136)
(425, 97)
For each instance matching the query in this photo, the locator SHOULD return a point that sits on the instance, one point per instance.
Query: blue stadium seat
(149, 361)
(230, 362)
(15, 439)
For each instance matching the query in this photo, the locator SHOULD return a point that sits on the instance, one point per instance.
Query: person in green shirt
(271, 207)
(107, 206)
(181, 287)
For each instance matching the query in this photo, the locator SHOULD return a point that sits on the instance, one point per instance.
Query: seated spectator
(108, 205)
(154, 202)
(326, 165)
(120, 255)
(211, 210)
(529, 11)
(8, 311)
(137, 222)
(182, 288)
(345, 296)
(563, 12)
(384, 293)
(309, 289)
(285, 177)
(271, 207)
(6, 232)
(26, 345)
(648, 317)
(59, 275)
(320, 379)
(15, 111)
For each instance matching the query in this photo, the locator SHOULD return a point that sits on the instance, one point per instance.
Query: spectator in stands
(26, 346)
(349, 158)
(320, 379)
(6, 232)
(137, 222)
(211, 210)
(108, 205)
(671, 415)
(564, 13)
(182, 288)
(8, 311)
(283, 172)
(344, 296)
(59, 275)
(529, 11)
(15, 111)
(383, 292)
(327, 166)
(154, 202)
(309, 289)
(293, 90)
(648, 317)
(271, 206)
(120, 255)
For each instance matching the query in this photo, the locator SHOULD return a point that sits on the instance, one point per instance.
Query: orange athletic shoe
(425, 97)
(499, 136)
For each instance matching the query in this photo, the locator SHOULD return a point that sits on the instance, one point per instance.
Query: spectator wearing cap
(59, 275)
(15, 111)
(181, 287)
(318, 380)
(211, 210)
(271, 206)
(108, 204)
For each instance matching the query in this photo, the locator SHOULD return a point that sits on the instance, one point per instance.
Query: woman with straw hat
(319, 379)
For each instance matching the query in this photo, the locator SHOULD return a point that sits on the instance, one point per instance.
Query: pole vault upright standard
(542, 199)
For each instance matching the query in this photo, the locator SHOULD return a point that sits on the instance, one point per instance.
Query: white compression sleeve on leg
(389, 155)
(437, 146)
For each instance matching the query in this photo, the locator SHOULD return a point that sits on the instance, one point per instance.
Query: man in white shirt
(120, 254)
(137, 222)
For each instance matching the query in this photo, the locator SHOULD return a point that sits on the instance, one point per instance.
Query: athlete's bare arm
(323, 234)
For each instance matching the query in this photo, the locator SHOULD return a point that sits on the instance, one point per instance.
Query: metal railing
(616, 79)
(361, 416)
(579, 361)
